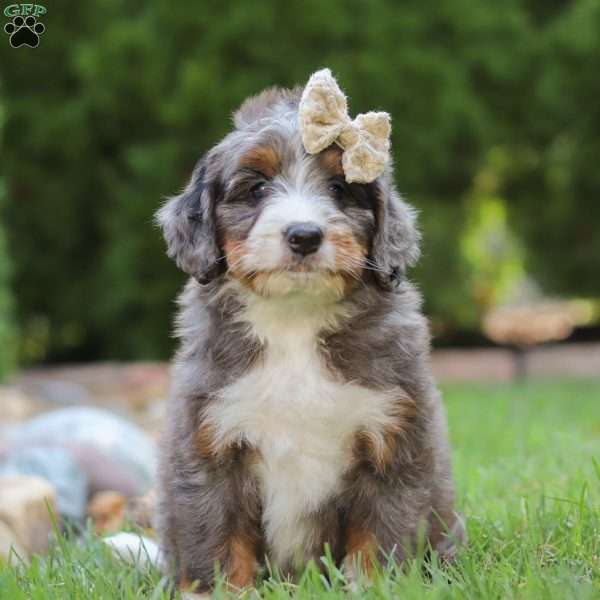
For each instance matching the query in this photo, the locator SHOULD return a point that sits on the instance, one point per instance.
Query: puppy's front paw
(452, 540)
(357, 572)
(361, 553)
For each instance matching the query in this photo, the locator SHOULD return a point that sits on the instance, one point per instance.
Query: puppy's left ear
(396, 240)
(188, 225)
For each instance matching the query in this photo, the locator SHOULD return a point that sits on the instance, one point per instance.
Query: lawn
(527, 482)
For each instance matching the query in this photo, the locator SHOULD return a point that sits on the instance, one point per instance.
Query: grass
(527, 481)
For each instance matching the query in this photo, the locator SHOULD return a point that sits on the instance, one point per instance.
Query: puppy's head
(261, 210)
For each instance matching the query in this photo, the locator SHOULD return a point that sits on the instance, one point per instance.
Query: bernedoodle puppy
(303, 412)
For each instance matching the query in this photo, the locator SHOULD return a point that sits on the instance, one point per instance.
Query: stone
(112, 452)
(11, 551)
(24, 507)
(59, 468)
(110, 511)
(137, 550)
(57, 392)
(15, 405)
(141, 510)
(107, 511)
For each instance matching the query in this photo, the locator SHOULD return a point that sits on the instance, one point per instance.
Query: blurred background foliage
(8, 346)
(496, 140)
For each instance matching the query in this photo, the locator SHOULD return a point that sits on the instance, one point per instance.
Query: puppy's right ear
(188, 225)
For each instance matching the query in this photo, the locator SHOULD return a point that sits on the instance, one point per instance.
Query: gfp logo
(24, 29)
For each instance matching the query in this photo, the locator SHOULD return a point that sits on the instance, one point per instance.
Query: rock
(58, 392)
(15, 405)
(112, 452)
(59, 468)
(107, 511)
(145, 383)
(24, 507)
(136, 550)
(153, 418)
(141, 510)
(125, 388)
(11, 551)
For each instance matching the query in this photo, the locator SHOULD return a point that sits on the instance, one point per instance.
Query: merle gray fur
(383, 344)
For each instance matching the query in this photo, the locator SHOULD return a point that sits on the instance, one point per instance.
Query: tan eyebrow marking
(263, 158)
(331, 160)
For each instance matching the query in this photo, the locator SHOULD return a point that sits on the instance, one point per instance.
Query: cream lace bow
(324, 120)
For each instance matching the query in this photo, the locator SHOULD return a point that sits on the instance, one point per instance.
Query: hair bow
(324, 120)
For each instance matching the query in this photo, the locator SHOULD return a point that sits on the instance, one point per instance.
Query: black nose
(304, 238)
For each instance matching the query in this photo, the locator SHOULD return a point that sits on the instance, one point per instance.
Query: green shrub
(108, 115)
(8, 340)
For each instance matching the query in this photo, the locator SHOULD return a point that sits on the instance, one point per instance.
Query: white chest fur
(299, 418)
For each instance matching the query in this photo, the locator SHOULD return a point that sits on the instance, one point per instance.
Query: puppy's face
(261, 210)
(289, 222)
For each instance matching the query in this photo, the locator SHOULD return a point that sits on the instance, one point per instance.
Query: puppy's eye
(259, 190)
(336, 188)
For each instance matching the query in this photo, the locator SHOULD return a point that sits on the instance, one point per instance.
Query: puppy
(303, 410)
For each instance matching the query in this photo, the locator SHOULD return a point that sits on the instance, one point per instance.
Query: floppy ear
(396, 240)
(188, 225)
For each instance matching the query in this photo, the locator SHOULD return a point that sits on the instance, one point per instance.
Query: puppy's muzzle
(304, 238)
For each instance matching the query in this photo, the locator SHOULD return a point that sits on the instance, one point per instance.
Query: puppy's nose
(304, 238)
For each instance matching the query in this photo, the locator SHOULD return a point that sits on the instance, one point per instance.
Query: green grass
(527, 481)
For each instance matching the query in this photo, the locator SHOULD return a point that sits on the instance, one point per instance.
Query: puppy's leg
(387, 502)
(384, 523)
(401, 494)
(219, 532)
(447, 533)
(209, 516)
(392, 522)
(360, 553)
(447, 530)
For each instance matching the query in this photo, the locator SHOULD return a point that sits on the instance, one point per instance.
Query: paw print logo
(24, 32)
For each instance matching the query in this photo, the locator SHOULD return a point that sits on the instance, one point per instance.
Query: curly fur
(303, 410)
